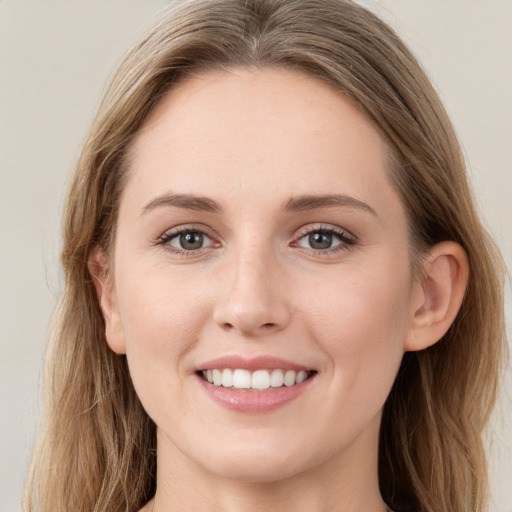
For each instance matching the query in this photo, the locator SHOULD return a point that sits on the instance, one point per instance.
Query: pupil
(320, 240)
(192, 240)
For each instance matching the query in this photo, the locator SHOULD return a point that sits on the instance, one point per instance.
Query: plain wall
(55, 58)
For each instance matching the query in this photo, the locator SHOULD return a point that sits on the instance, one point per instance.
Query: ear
(438, 295)
(105, 291)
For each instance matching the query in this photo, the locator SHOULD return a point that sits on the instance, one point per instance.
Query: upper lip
(252, 364)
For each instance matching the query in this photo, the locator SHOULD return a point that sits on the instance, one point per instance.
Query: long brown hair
(97, 447)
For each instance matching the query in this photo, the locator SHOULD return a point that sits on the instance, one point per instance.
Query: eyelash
(166, 238)
(345, 239)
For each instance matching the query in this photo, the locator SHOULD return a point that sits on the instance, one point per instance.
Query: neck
(347, 482)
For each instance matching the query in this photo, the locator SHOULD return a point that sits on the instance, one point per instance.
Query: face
(260, 243)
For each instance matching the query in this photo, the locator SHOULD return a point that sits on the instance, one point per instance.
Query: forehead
(253, 99)
(257, 130)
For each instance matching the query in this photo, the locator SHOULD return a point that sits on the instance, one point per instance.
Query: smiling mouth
(258, 380)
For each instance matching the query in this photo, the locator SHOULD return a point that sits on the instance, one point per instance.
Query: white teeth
(217, 377)
(289, 378)
(259, 379)
(301, 377)
(227, 378)
(241, 379)
(277, 378)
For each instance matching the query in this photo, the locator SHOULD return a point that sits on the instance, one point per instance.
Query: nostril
(269, 326)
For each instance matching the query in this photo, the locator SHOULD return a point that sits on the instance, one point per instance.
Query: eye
(319, 240)
(325, 239)
(186, 240)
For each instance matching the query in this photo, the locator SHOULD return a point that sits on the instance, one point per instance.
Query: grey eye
(320, 240)
(190, 240)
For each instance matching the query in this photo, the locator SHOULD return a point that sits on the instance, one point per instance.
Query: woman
(278, 292)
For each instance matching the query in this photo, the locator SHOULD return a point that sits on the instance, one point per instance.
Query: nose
(253, 301)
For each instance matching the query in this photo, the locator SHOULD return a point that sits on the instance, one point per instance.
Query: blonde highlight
(97, 447)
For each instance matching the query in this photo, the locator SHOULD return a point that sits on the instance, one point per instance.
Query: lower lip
(249, 401)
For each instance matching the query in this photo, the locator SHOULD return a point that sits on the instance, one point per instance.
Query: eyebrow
(186, 201)
(313, 202)
(296, 204)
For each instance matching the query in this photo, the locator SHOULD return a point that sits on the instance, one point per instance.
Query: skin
(252, 141)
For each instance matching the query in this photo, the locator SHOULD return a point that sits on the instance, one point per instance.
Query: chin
(256, 471)
(256, 463)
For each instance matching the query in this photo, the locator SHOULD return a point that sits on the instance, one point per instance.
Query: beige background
(55, 57)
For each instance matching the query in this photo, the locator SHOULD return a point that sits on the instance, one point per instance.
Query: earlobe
(105, 291)
(440, 295)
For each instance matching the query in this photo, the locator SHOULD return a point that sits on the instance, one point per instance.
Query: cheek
(360, 318)
(161, 318)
